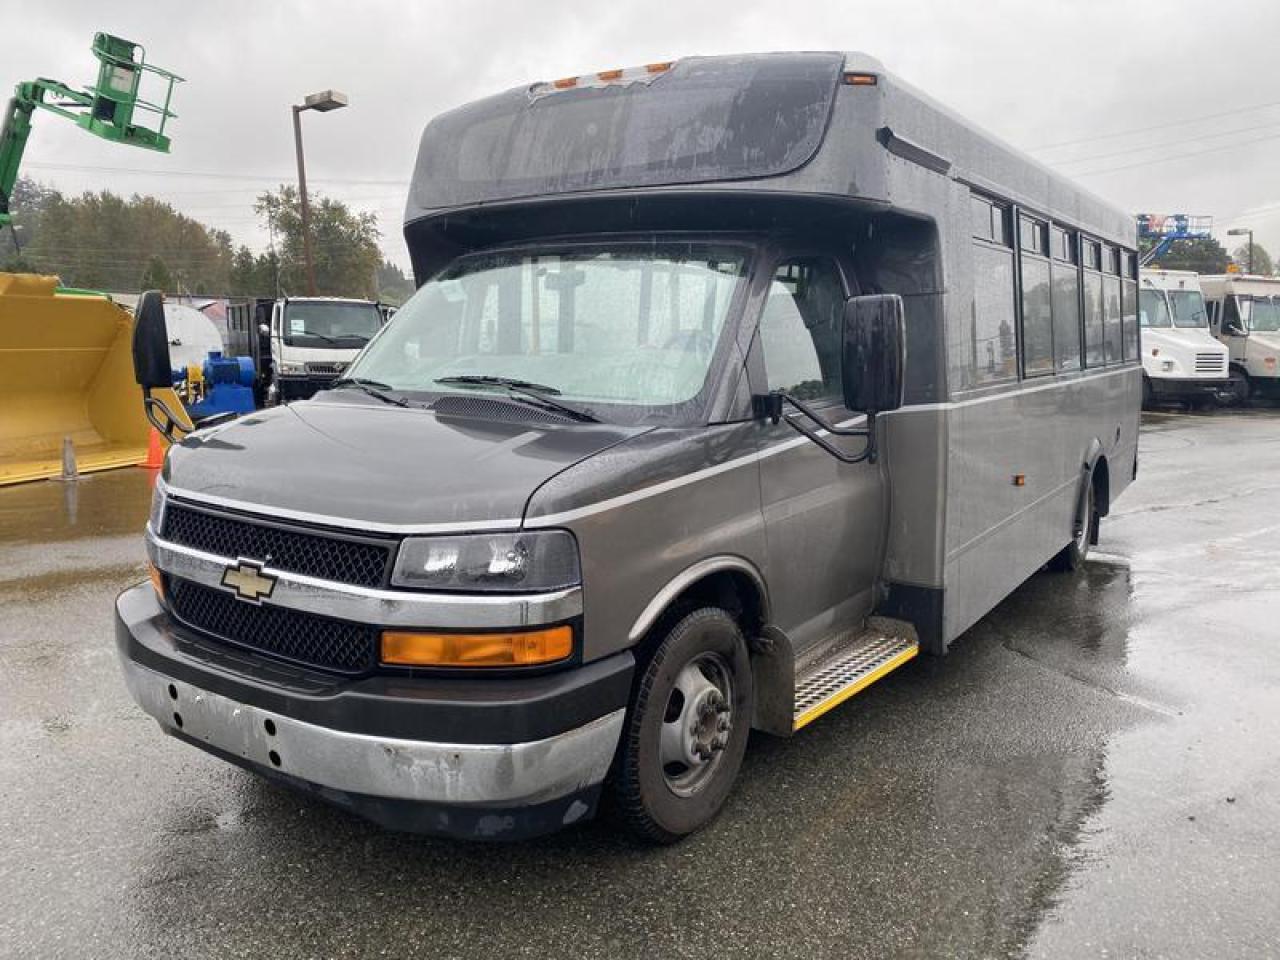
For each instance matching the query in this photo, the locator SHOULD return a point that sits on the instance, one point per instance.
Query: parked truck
(300, 344)
(720, 399)
(1244, 314)
(1181, 360)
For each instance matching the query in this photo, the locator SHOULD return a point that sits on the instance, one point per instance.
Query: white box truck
(1181, 361)
(1244, 314)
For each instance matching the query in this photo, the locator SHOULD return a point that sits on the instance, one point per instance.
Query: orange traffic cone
(155, 452)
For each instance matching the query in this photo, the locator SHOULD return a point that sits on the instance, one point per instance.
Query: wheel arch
(727, 581)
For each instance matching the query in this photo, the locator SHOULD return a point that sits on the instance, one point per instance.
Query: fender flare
(687, 578)
(1091, 458)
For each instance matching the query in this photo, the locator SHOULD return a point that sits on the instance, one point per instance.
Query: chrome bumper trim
(390, 608)
(457, 774)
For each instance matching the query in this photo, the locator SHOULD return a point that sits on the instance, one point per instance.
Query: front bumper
(480, 757)
(1169, 388)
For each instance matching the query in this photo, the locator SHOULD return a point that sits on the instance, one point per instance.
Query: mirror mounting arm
(868, 453)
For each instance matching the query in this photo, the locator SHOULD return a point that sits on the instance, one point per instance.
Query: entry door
(823, 518)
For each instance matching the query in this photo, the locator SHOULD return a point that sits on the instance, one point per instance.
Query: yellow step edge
(840, 696)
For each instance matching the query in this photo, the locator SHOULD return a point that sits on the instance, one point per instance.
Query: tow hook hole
(270, 726)
(177, 719)
(173, 692)
(274, 758)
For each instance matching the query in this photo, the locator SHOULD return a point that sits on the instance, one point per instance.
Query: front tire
(1241, 389)
(687, 728)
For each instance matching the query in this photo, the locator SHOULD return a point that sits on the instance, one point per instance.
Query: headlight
(290, 367)
(157, 509)
(527, 561)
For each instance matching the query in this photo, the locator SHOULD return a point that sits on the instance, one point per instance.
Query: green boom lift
(67, 390)
(106, 110)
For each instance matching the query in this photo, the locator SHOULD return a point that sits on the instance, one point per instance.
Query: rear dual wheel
(687, 729)
(1072, 556)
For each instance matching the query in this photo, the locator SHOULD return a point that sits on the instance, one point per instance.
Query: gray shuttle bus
(730, 385)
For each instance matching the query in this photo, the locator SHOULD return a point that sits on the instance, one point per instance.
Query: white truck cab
(1244, 314)
(313, 339)
(1181, 361)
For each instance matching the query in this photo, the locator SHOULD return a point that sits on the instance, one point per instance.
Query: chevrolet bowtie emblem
(248, 581)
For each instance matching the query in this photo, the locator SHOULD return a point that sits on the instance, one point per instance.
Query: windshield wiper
(373, 388)
(535, 394)
(314, 333)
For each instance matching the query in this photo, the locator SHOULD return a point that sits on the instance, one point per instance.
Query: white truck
(1244, 314)
(300, 344)
(1181, 361)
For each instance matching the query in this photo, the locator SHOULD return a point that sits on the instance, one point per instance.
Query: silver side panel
(997, 533)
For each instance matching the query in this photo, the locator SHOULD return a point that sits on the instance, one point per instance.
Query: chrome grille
(325, 369)
(305, 638)
(1211, 363)
(360, 562)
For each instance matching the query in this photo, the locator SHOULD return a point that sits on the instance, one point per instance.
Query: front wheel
(1240, 388)
(687, 728)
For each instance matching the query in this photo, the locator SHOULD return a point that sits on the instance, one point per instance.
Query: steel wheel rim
(697, 723)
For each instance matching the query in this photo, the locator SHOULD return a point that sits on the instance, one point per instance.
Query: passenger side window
(800, 329)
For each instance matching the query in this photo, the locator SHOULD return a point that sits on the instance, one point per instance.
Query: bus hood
(365, 466)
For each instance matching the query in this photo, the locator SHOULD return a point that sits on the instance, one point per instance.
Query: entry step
(849, 669)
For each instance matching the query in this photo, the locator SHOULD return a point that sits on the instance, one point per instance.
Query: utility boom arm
(105, 110)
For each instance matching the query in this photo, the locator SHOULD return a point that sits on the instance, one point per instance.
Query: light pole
(1240, 232)
(323, 102)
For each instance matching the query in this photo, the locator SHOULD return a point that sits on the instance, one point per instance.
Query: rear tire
(1071, 557)
(686, 731)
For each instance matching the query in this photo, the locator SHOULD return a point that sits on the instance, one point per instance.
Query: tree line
(1207, 255)
(103, 241)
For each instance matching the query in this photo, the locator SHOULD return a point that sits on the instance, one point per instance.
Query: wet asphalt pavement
(1094, 770)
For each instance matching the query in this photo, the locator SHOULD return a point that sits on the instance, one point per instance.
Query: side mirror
(264, 329)
(874, 354)
(151, 343)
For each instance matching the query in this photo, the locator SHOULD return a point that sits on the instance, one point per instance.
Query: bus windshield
(625, 325)
(1262, 314)
(333, 323)
(1153, 309)
(1188, 309)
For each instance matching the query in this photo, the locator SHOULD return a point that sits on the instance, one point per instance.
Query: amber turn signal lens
(477, 649)
(157, 579)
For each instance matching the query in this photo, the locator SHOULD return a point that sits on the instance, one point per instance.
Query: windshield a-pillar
(624, 329)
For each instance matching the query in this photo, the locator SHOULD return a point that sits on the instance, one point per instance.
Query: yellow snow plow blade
(66, 370)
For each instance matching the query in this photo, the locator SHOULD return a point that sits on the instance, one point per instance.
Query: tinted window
(1064, 247)
(1037, 316)
(800, 329)
(1094, 348)
(1066, 316)
(1111, 313)
(988, 349)
(704, 119)
(1092, 254)
(1129, 313)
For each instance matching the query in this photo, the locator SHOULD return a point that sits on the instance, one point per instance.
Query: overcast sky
(1095, 75)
